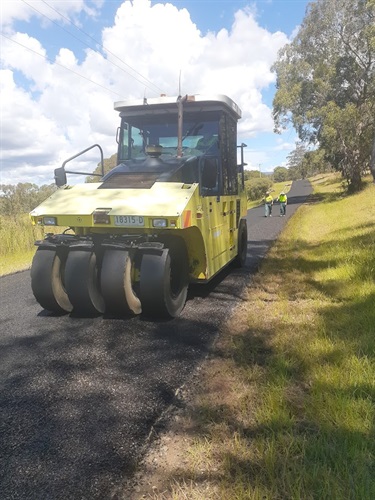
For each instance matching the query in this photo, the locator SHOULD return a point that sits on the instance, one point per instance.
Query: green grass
(287, 405)
(17, 237)
(16, 262)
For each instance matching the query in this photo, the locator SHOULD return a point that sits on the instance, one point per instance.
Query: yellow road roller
(172, 212)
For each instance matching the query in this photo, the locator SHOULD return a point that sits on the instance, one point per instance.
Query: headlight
(49, 221)
(159, 223)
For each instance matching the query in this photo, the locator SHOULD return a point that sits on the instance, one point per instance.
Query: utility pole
(260, 172)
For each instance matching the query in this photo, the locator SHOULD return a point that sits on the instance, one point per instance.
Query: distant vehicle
(169, 214)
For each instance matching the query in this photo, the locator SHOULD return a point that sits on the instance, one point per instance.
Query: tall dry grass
(17, 237)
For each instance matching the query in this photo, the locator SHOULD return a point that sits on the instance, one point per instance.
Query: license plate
(129, 220)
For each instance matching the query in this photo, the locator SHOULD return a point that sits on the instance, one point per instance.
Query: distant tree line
(325, 81)
(22, 197)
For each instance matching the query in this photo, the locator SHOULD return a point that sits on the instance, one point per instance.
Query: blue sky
(63, 64)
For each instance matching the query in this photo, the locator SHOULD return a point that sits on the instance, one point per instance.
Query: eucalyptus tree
(326, 85)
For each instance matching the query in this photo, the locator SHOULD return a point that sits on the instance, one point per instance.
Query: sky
(63, 63)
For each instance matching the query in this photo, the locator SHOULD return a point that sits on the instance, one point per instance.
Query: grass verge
(286, 406)
(17, 238)
(15, 262)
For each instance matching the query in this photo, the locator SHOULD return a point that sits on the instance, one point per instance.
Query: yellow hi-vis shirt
(283, 198)
(268, 199)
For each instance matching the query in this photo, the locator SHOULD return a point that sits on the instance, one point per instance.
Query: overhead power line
(62, 66)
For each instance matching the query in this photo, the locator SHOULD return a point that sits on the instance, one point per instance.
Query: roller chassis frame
(121, 242)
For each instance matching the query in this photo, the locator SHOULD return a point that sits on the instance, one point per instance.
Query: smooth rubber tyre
(116, 283)
(164, 281)
(240, 260)
(47, 279)
(82, 283)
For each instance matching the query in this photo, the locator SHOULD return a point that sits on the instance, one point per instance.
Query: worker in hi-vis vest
(283, 200)
(268, 202)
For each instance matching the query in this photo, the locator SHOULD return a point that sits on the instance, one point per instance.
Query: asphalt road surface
(78, 397)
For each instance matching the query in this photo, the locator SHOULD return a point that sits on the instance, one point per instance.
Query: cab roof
(168, 104)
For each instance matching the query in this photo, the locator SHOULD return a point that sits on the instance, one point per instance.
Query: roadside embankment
(285, 405)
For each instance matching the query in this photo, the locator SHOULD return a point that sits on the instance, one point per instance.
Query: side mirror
(60, 176)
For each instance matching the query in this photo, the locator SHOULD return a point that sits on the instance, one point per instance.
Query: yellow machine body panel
(217, 220)
(208, 224)
(75, 206)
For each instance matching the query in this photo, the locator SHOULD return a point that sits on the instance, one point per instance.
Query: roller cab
(172, 212)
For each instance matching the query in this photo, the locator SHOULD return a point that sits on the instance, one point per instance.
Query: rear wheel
(116, 283)
(164, 280)
(47, 279)
(240, 260)
(82, 283)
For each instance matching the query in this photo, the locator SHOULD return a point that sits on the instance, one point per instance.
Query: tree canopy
(109, 164)
(326, 85)
(280, 174)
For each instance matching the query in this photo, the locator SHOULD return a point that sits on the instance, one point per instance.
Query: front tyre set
(76, 280)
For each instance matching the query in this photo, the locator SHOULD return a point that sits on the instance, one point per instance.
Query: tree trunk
(355, 177)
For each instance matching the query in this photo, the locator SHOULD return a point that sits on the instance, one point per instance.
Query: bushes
(256, 188)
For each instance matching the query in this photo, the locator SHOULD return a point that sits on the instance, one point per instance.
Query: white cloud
(12, 10)
(282, 145)
(25, 131)
(49, 113)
